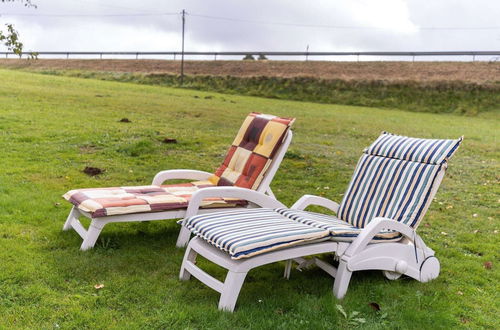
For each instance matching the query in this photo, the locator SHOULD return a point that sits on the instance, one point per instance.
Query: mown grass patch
(462, 98)
(52, 127)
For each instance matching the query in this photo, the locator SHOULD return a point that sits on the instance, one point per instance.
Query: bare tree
(10, 37)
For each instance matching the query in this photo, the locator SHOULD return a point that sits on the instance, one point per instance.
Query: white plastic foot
(93, 232)
(183, 238)
(288, 269)
(341, 280)
(231, 290)
(190, 255)
(73, 215)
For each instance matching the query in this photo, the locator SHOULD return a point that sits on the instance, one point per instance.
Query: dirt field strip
(476, 72)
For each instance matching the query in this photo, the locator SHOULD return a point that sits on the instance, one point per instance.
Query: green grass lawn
(52, 127)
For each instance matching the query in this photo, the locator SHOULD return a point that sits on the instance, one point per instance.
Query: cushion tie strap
(415, 245)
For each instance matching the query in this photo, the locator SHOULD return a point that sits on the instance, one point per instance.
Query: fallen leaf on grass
(98, 286)
(475, 215)
(92, 171)
(279, 311)
(374, 306)
(449, 207)
(488, 265)
(460, 293)
(444, 233)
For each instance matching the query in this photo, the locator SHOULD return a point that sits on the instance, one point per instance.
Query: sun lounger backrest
(252, 151)
(396, 177)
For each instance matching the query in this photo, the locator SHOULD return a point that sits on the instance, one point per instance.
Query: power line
(108, 5)
(333, 26)
(87, 15)
(234, 19)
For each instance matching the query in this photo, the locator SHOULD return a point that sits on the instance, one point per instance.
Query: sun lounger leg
(288, 268)
(231, 290)
(73, 215)
(341, 280)
(190, 255)
(183, 238)
(92, 235)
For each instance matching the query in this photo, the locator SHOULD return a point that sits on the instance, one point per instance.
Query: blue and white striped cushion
(245, 233)
(339, 230)
(429, 151)
(394, 179)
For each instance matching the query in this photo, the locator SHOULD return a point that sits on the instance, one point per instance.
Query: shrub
(248, 57)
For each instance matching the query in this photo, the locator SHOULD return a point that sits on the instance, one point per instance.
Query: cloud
(363, 25)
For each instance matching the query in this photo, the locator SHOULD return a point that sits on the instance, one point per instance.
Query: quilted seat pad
(102, 202)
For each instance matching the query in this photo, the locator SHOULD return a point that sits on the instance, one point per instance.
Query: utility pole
(182, 54)
(307, 53)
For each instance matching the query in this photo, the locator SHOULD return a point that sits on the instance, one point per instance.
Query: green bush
(248, 57)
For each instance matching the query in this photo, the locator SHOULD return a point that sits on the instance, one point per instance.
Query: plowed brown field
(478, 72)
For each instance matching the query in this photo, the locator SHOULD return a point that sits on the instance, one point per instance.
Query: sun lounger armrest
(252, 196)
(308, 200)
(377, 225)
(180, 174)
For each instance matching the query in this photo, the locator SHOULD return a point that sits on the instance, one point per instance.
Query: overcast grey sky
(279, 25)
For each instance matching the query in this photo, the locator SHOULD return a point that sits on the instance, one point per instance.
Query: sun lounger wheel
(429, 269)
(391, 275)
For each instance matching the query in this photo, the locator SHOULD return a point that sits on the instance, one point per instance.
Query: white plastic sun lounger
(252, 162)
(406, 171)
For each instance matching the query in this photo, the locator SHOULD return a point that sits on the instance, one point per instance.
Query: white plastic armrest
(373, 228)
(308, 200)
(180, 174)
(252, 196)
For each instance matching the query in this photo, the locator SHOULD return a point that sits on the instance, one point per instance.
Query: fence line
(174, 54)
